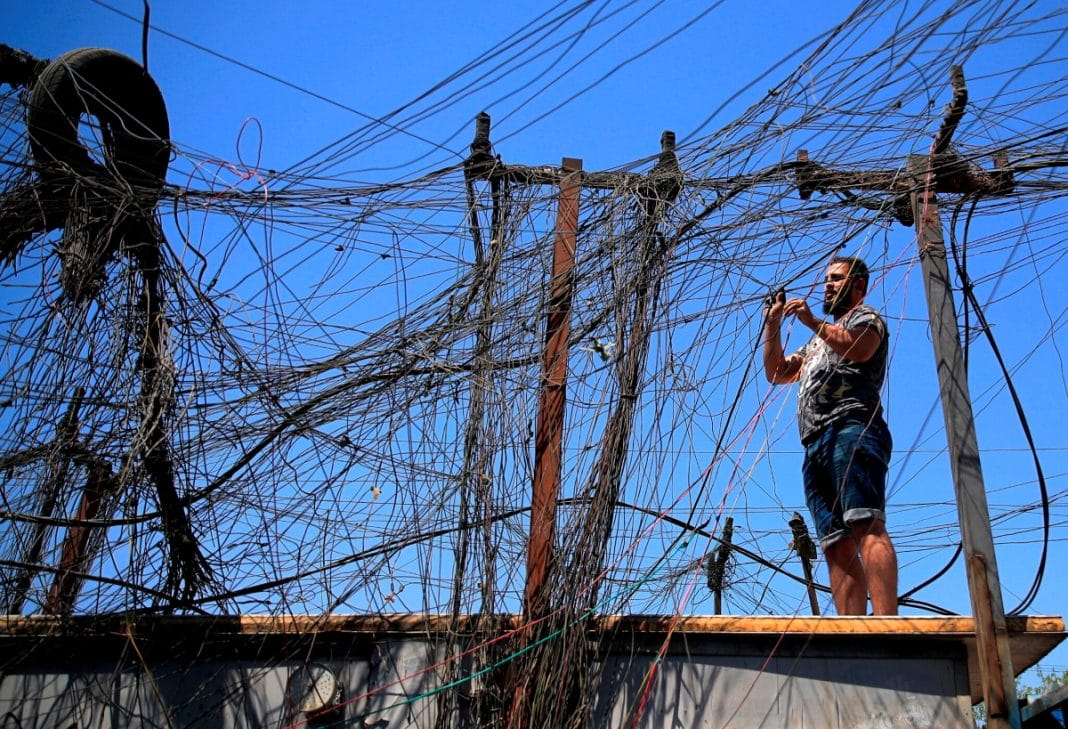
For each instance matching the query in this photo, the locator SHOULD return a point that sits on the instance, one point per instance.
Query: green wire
(550, 636)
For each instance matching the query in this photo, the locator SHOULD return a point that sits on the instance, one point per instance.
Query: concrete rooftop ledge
(1030, 637)
(235, 671)
(12, 625)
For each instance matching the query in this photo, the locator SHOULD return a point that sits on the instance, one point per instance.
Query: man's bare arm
(778, 368)
(858, 344)
(783, 370)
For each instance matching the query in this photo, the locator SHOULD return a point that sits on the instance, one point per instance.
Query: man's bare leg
(849, 585)
(880, 564)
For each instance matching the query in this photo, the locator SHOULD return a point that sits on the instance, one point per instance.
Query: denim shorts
(845, 477)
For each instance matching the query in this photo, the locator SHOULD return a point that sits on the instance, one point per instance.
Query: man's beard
(836, 306)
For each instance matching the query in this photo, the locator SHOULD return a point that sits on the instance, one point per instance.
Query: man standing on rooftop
(846, 440)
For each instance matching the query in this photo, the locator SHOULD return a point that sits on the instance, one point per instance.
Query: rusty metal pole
(64, 591)
(991, 633)
(52, 489)
(550, 429)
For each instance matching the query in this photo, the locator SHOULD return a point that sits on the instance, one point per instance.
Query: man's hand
(776, 302)
(858, 344)
(778, 368)
(799, 308)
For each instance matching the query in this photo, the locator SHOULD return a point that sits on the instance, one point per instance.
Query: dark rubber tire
(125, 100)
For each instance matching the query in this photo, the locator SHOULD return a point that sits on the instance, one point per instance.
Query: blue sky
(641, 68)
(374, 59)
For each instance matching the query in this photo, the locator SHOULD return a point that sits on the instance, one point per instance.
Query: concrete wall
(704, 681)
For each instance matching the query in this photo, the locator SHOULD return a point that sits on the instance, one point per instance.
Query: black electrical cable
(967, 288)
(273, 77)
(936, 575)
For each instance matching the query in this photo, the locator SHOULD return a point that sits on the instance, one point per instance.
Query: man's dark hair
(857, 268)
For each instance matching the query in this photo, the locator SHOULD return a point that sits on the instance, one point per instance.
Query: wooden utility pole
(991, 633)
(550, 429)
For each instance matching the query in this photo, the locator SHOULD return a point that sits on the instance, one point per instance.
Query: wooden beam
(423, 624)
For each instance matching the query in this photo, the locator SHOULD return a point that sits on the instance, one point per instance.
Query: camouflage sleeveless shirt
(833, 388)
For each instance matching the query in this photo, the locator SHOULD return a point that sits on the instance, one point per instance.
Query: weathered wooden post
(991, 633)
(806, 550)
(717, 564)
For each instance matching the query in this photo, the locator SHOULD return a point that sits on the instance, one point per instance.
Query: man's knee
(842, 551)
(867, 528)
